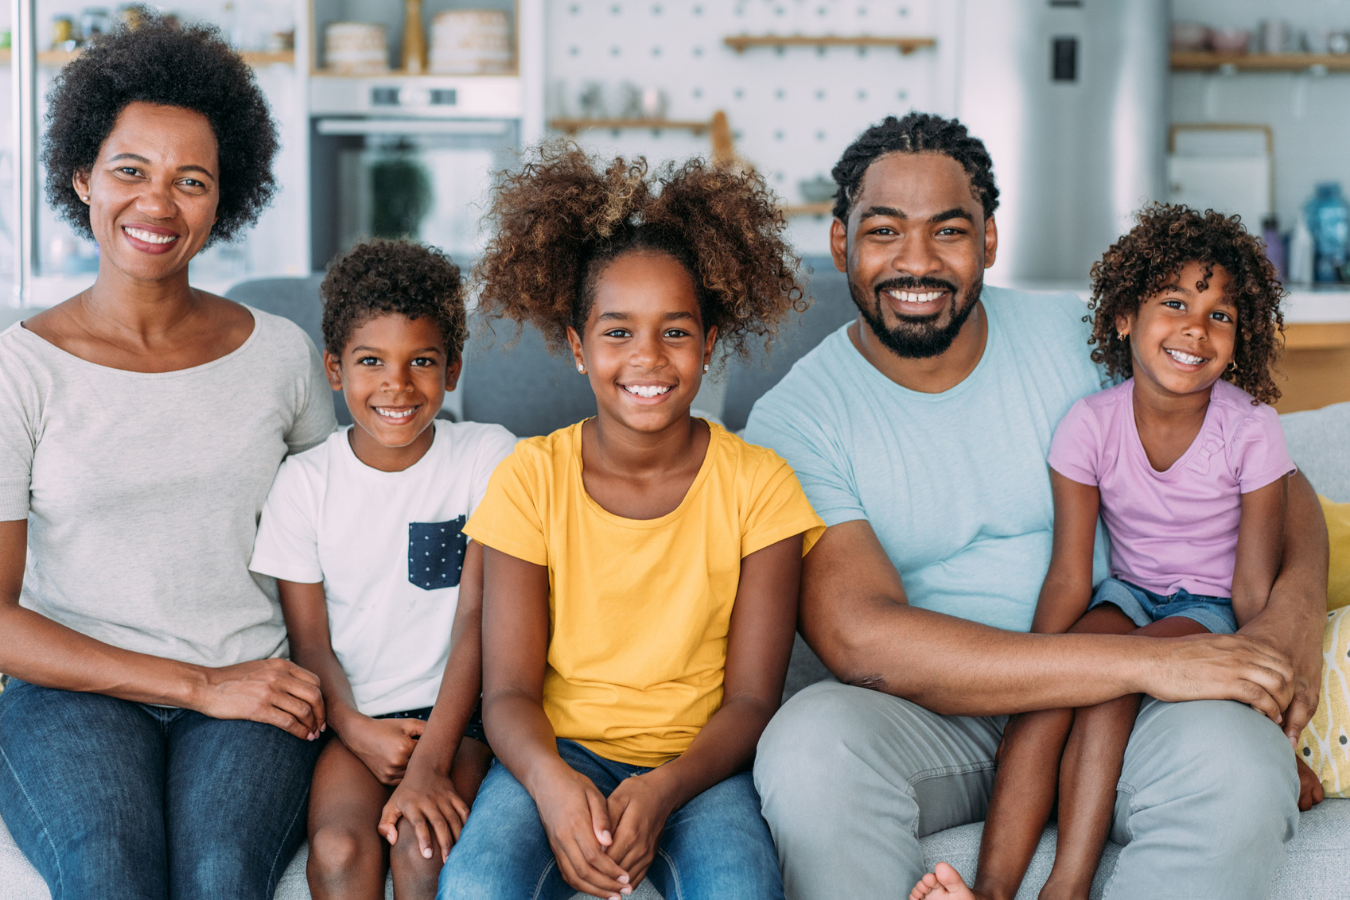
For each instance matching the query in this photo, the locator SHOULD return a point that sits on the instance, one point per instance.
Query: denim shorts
(1143, 606)
(474, 728)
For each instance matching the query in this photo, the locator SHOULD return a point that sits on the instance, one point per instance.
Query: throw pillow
(1338, 574)
(1325, 743)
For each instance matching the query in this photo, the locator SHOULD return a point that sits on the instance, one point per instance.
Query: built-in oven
(408, 157)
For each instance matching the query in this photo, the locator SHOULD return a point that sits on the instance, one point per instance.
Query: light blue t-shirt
(955, 484)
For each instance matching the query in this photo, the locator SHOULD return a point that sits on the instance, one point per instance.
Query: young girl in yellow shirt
(641, 568)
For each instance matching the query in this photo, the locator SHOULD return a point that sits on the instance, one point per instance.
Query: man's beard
(915, 338)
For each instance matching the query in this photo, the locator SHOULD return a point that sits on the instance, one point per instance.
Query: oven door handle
(467, 127)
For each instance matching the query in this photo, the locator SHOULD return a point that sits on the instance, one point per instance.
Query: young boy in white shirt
(380, 588)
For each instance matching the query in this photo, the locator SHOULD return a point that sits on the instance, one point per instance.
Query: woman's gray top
(142, 491)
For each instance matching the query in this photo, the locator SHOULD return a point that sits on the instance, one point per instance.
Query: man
(920, 433)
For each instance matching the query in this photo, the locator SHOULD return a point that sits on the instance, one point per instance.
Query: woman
(155, 742)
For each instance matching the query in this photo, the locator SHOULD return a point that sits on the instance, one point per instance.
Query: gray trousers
(851, 778)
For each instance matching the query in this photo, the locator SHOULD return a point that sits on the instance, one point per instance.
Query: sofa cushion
(1338, 566)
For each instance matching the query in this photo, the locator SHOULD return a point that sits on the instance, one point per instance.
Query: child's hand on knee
(639, 809)
(432, 807)
(576, 820)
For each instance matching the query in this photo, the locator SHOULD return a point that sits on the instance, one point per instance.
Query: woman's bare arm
(43, 652)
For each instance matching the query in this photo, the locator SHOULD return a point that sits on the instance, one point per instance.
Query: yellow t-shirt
(639, 609)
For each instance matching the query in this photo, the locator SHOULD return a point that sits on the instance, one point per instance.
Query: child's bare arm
(515, 654)
(384, 746)
(426, 790)
(1260, 540)
(1068, 582)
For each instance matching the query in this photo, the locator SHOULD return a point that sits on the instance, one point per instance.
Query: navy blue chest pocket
(436, 553)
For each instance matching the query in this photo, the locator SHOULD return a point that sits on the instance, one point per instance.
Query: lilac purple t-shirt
(1177, 528)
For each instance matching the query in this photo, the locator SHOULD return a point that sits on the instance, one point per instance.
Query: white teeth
(647, 391)
(915, 297)
(395, 413)
(150, 237)
(1185, 358)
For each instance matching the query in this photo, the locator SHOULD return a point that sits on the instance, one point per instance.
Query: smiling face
(153, 190)
(393, 374)
(644, 348)
(915, 248)
(1183, 337)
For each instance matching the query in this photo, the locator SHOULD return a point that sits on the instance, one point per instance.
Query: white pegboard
(792, 111)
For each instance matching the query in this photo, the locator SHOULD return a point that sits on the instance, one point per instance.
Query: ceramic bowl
(1230, 40)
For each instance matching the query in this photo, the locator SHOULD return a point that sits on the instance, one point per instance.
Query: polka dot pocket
(436, 553)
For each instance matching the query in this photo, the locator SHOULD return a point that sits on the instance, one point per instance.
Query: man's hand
(429, 802)
(272, 691)
(1299, 638)
(384, 745)
(639, 809)
(1222, 667)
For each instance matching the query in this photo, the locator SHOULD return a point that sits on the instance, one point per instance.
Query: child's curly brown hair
(564, 216)
(1152, 254)
(379, 277)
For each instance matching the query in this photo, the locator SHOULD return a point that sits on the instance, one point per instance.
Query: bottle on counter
(1301, 252)
(1270, 235)
(1329, 222)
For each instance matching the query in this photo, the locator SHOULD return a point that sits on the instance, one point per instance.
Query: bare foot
(943, 883)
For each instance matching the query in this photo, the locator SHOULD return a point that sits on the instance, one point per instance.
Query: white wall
(792, 113)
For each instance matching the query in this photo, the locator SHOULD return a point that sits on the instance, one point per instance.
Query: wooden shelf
(572, 126)
(906, 45)
(55, 59)
(824, 208)
(1206, 61)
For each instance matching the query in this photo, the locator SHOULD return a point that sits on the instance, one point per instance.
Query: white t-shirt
(388, 547)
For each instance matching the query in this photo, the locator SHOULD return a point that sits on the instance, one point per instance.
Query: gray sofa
(1317, 439)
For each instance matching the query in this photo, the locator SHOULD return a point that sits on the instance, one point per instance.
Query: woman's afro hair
(564, 216)
(1150, 257)
(382, 277)
(916, 133)
(161, 63)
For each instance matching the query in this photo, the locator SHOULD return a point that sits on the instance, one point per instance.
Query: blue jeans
(715, 846)
(110, 799)
(1142, 606)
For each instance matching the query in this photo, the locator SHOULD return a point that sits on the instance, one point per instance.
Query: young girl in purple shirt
(1187, 466)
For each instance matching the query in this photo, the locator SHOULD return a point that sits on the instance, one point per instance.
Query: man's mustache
(915, 284)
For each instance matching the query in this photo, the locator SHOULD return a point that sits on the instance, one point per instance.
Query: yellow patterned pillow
(1325, 743)
(1338, 574)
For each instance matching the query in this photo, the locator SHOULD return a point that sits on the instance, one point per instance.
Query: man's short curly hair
(157, 62)
(915, 133)
(381, 277)
(564, 216)
(1150, 257)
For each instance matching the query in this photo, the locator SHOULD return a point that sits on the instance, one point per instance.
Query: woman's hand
(576, 820)
(272, 691)
(1223, 667)
(384, 745)
(428, 801)
(638, 807)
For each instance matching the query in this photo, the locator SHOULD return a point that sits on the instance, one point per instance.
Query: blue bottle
(1329, 221)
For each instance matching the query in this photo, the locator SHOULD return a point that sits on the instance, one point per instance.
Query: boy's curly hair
(158, 62)
(1151, 255)
(564, 216)
(380, 277)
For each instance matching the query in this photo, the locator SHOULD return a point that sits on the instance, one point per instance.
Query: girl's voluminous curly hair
(1151, 256)
(158, 62)
(381, 277)
(564, 216)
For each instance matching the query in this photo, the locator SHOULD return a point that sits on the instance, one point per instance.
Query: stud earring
(581, 368)
(705, 368)
(85, 198)
(1120, 335)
